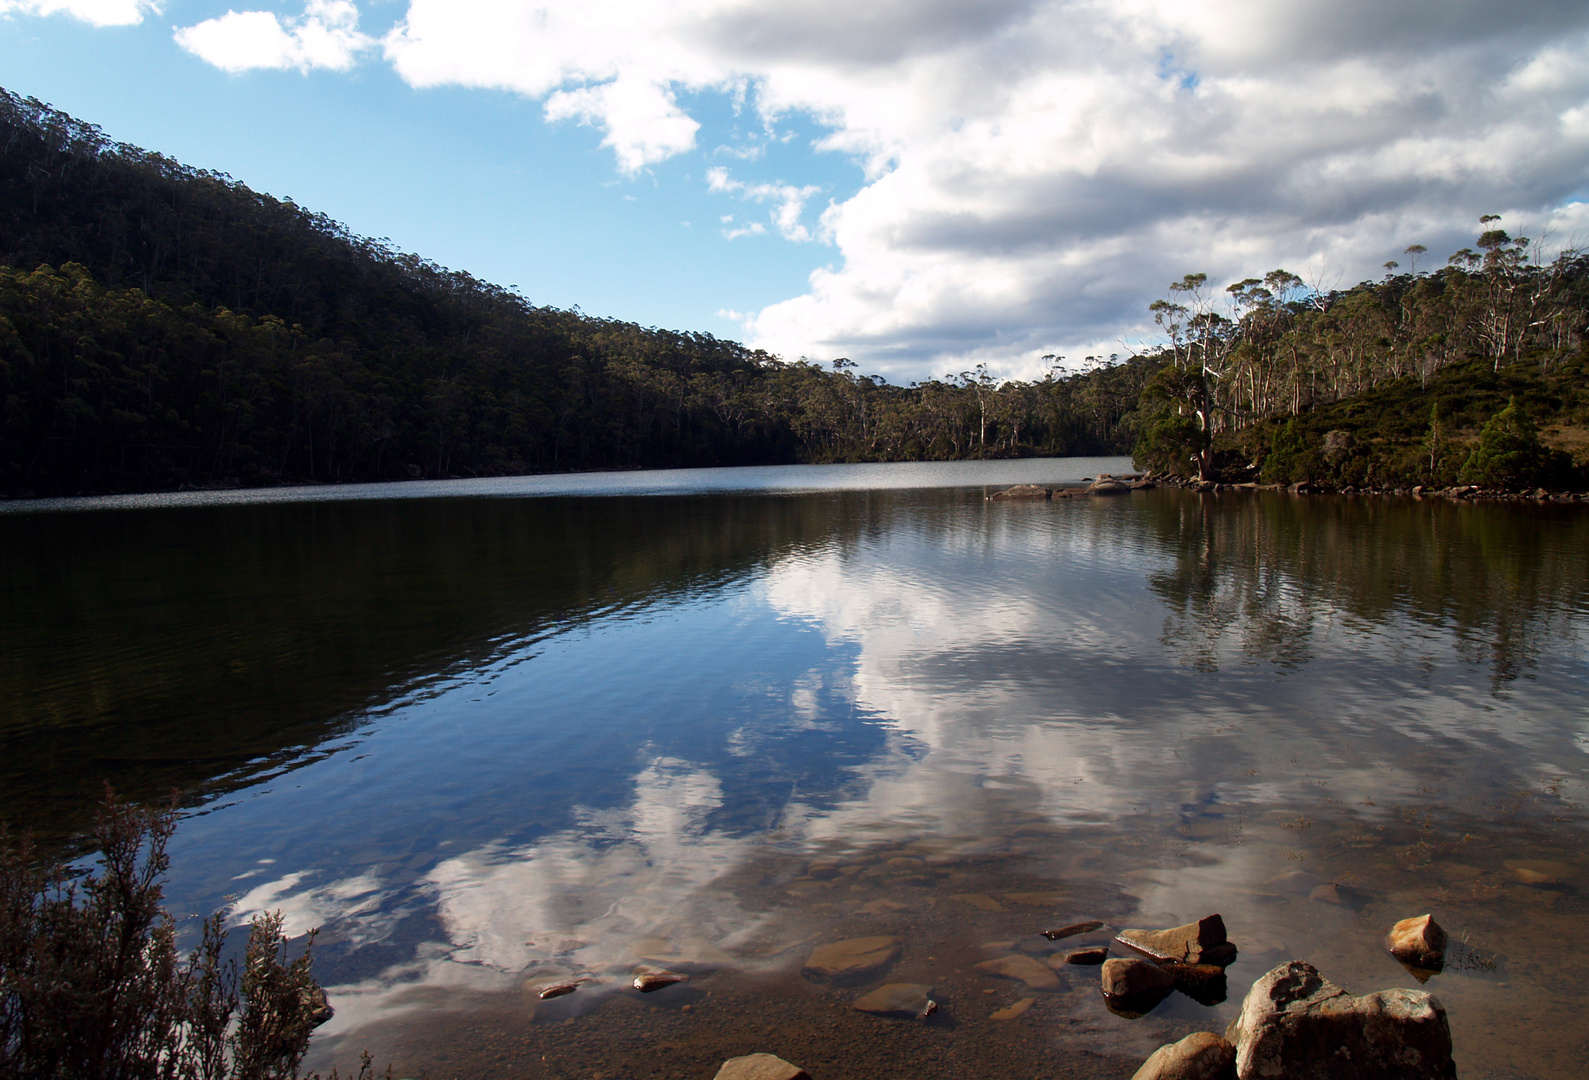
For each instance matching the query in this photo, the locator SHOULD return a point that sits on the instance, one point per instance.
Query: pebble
(557, 990)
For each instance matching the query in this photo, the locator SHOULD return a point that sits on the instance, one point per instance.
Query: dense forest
(162, 326)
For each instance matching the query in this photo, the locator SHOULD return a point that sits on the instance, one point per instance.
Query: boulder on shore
(1296, 1024)
(1420, 942)
(1202, 1055)
(1202, 942)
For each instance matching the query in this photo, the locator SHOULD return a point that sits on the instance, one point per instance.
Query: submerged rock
(852, 960)
(1036, 975)
(1202, 942)
(1296, 1024)
(557, 990)
(1338, 896)
(1072, 930)
(760, 1067)
(1420, 942)
(1010, 1012)
(1202, 1055)
(694, 954)
(908, 1001)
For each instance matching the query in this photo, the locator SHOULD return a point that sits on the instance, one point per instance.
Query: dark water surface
(494, 734)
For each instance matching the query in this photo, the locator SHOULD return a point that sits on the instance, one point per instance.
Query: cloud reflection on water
(1020, 666)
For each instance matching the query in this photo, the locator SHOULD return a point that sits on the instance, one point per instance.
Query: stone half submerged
(1295, 1024)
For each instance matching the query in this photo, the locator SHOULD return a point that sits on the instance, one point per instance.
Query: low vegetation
(92, 984)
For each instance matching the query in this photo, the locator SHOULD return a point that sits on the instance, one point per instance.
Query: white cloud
(1035, 171)
(326, 35)
(93, 12)
(789, 203)
(643, 124)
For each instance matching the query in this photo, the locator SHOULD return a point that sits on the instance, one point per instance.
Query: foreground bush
(92, 986)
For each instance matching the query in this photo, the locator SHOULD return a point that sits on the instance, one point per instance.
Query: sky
(918, 185)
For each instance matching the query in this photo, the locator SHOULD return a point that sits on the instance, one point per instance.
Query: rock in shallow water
(904, 1000)
(852, 960)
(1419, 941)
(1033, 973)
(1133, 987)
(1297, 1025)
(1010, 1012)
(1202, 1055)
(1202, 942)
(760, 1067)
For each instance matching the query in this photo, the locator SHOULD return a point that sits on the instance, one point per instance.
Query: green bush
(1509, 454)
(92, 986)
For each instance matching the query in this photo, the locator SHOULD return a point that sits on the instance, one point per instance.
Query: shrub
(92, 986)
(1509, 453)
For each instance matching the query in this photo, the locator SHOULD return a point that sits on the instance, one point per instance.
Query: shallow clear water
(492, 734)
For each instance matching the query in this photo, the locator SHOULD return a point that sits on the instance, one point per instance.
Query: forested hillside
(164, 326)
(1388, 383)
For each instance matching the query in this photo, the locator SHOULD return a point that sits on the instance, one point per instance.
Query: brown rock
(1093, 956)
(1418, 941)
(1107, 486)
(1036, 976)
(1135, 981)
(1021, 491)
(1296, 1024)
(1072, 930)
(979, 901)
(853, 960)
(1202, 1055)
(906, 1000)
(760, 1067)
(1202, 942)
(650, 981)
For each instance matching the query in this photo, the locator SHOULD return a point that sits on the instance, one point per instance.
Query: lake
(489, 735)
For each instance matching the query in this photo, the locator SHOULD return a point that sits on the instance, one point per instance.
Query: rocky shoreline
(1109, 484)
(1293, 1022)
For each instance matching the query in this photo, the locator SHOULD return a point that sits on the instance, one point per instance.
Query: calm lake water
(491, 734)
